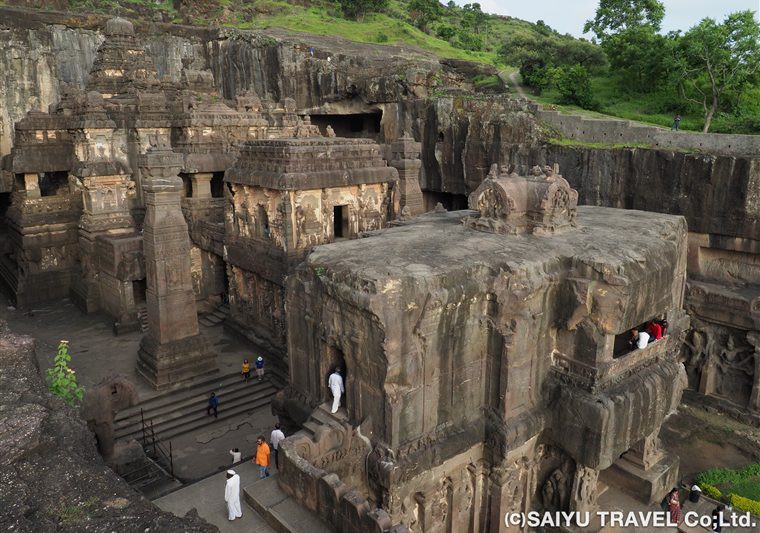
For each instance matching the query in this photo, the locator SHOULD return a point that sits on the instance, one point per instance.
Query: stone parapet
(614, 131)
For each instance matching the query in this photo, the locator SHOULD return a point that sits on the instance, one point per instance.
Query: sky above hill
(568, 16)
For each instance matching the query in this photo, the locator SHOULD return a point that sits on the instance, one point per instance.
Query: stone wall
(719, 195)
(51, 475)
(611, 131)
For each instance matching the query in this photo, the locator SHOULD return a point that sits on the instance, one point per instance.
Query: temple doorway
(334, 359)
(340, 221)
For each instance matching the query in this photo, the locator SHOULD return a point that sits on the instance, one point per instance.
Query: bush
(381, 38)
(717, 476)
(711, 491)
(745, 504)
(62, 380)
(574, 86)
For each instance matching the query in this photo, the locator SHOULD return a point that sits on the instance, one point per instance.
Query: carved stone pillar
(406, 159)
(583, 495)
(753, 337)
(201, 184)
(32, 185)
(173, 350)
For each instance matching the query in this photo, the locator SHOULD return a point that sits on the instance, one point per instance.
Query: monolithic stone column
(201, 184)
(406, 159)
(754, 399)
(173, 350)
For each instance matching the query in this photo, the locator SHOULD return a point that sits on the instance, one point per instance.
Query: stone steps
(321, 416)
(215, 317)
(178, 412)
(142, 318)
(279, 510)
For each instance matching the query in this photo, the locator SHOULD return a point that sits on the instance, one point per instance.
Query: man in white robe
(336, 387)
(232, 495)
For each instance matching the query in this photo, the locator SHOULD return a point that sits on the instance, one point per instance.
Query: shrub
(717, 476)
(381, 38)
(711, 491)
(574, 86)
(745, 504)
(62, 380)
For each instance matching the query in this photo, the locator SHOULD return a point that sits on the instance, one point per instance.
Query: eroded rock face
(51, 476)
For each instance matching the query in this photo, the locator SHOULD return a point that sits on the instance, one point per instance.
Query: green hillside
(448, 31)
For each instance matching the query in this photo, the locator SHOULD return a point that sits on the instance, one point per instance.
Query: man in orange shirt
(262, 456)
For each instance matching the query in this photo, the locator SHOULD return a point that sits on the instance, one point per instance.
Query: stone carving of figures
(560, 483)
(584, 489)
(547, 495)
(330, 131)
(493, 173)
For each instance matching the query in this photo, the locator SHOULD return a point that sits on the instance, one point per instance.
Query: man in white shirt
(639, 338)
(232, 495)
(275, 438)
(336, 387)
(235, 455)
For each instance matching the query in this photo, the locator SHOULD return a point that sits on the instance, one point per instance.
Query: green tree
(616, 16)
(574, 86)
(356, 9)
(628, 31)
(424, 12)
(62, 380)
(718, 58)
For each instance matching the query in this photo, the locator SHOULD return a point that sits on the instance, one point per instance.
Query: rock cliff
(51, 476)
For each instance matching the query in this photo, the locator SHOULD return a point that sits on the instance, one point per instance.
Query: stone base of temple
(648, 486)
(84, 293)
(166, 365)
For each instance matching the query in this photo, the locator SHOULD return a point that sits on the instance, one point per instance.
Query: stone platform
(649, 486)
(281, 512)
(207, 497)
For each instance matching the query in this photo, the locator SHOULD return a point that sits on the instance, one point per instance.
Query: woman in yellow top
(246, 370)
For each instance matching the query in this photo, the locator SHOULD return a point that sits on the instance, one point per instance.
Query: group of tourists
(263, 449)
(261, 459)
(246, 369)
(654, 331)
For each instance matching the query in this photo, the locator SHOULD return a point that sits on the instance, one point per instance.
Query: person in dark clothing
(717, 518)
(213, 403)
(676, 123)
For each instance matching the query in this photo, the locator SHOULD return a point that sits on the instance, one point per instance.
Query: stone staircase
(177, 412)
(321, 416)
(215, 317)
(142, 317)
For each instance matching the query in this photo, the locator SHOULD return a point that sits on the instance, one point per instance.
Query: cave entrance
(451, 201)
(361, 125)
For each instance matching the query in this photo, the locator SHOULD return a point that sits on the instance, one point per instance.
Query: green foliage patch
(62, 380)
